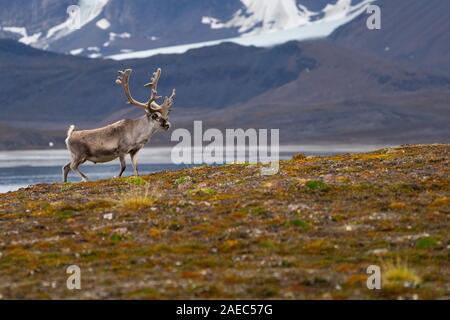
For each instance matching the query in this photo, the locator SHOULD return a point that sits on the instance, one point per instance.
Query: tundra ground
(310, 231)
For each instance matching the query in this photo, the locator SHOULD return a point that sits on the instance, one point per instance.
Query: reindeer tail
(69, 132)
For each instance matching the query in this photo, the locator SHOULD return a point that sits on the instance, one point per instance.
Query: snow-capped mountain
(140, 28)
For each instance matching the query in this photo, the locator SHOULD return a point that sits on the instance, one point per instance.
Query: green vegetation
(229, 232)
(316, 185)
(137, 181)
(426, 243)
(398, 276)
(182, 180)
(299, 223)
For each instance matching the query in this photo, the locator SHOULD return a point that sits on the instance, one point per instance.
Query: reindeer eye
(154, 116)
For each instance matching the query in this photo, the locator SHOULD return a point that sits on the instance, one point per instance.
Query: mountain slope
(414, 32)
(311, 90)
(349, 98)
(63, 87)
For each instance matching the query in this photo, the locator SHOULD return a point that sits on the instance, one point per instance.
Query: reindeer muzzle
(166, 125)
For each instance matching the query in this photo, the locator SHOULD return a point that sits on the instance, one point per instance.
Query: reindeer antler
(123, 79)
(153, 84)
(167, 104)
(151, 105)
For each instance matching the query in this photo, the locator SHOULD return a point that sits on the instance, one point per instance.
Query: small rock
(108, 216)
(328, 178)
(379, 252)
(122, 230)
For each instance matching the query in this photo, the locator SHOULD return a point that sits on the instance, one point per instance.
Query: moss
(426, 243)
(316, 185)
(267, 244)
(98, 204)
(397, 205)
(145, 293)
(65, 214)
(299, 224)
(135, 180)
(67, 186)
(318, 246)
(182, 179)
(230, 245)
(116, 237)
(440, 202)
(202, 191)
(258, 210)
(154, 233)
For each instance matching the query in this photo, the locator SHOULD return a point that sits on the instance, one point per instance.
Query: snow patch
(25, 39)
(95, 55)
(113, 36)
(89, 10)
(260, 16)
(96, 49)
(337, 11)
(76, 52)
(31, 39)
(103, 24)
(321, 28)
(264, 16)
(19, 30)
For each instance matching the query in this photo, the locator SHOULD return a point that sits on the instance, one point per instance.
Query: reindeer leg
(74, 166)
(133, 155)
(123, 165)
(66, 170)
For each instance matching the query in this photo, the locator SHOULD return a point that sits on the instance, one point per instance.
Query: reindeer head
(159, 114)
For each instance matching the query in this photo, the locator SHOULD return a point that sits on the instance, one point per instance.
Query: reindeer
(123, 137)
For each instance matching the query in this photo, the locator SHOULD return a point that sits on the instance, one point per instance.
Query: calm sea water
(23, 168)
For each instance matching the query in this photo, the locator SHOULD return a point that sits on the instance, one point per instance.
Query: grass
(136, 199)
(135, 203)
(398, 275)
